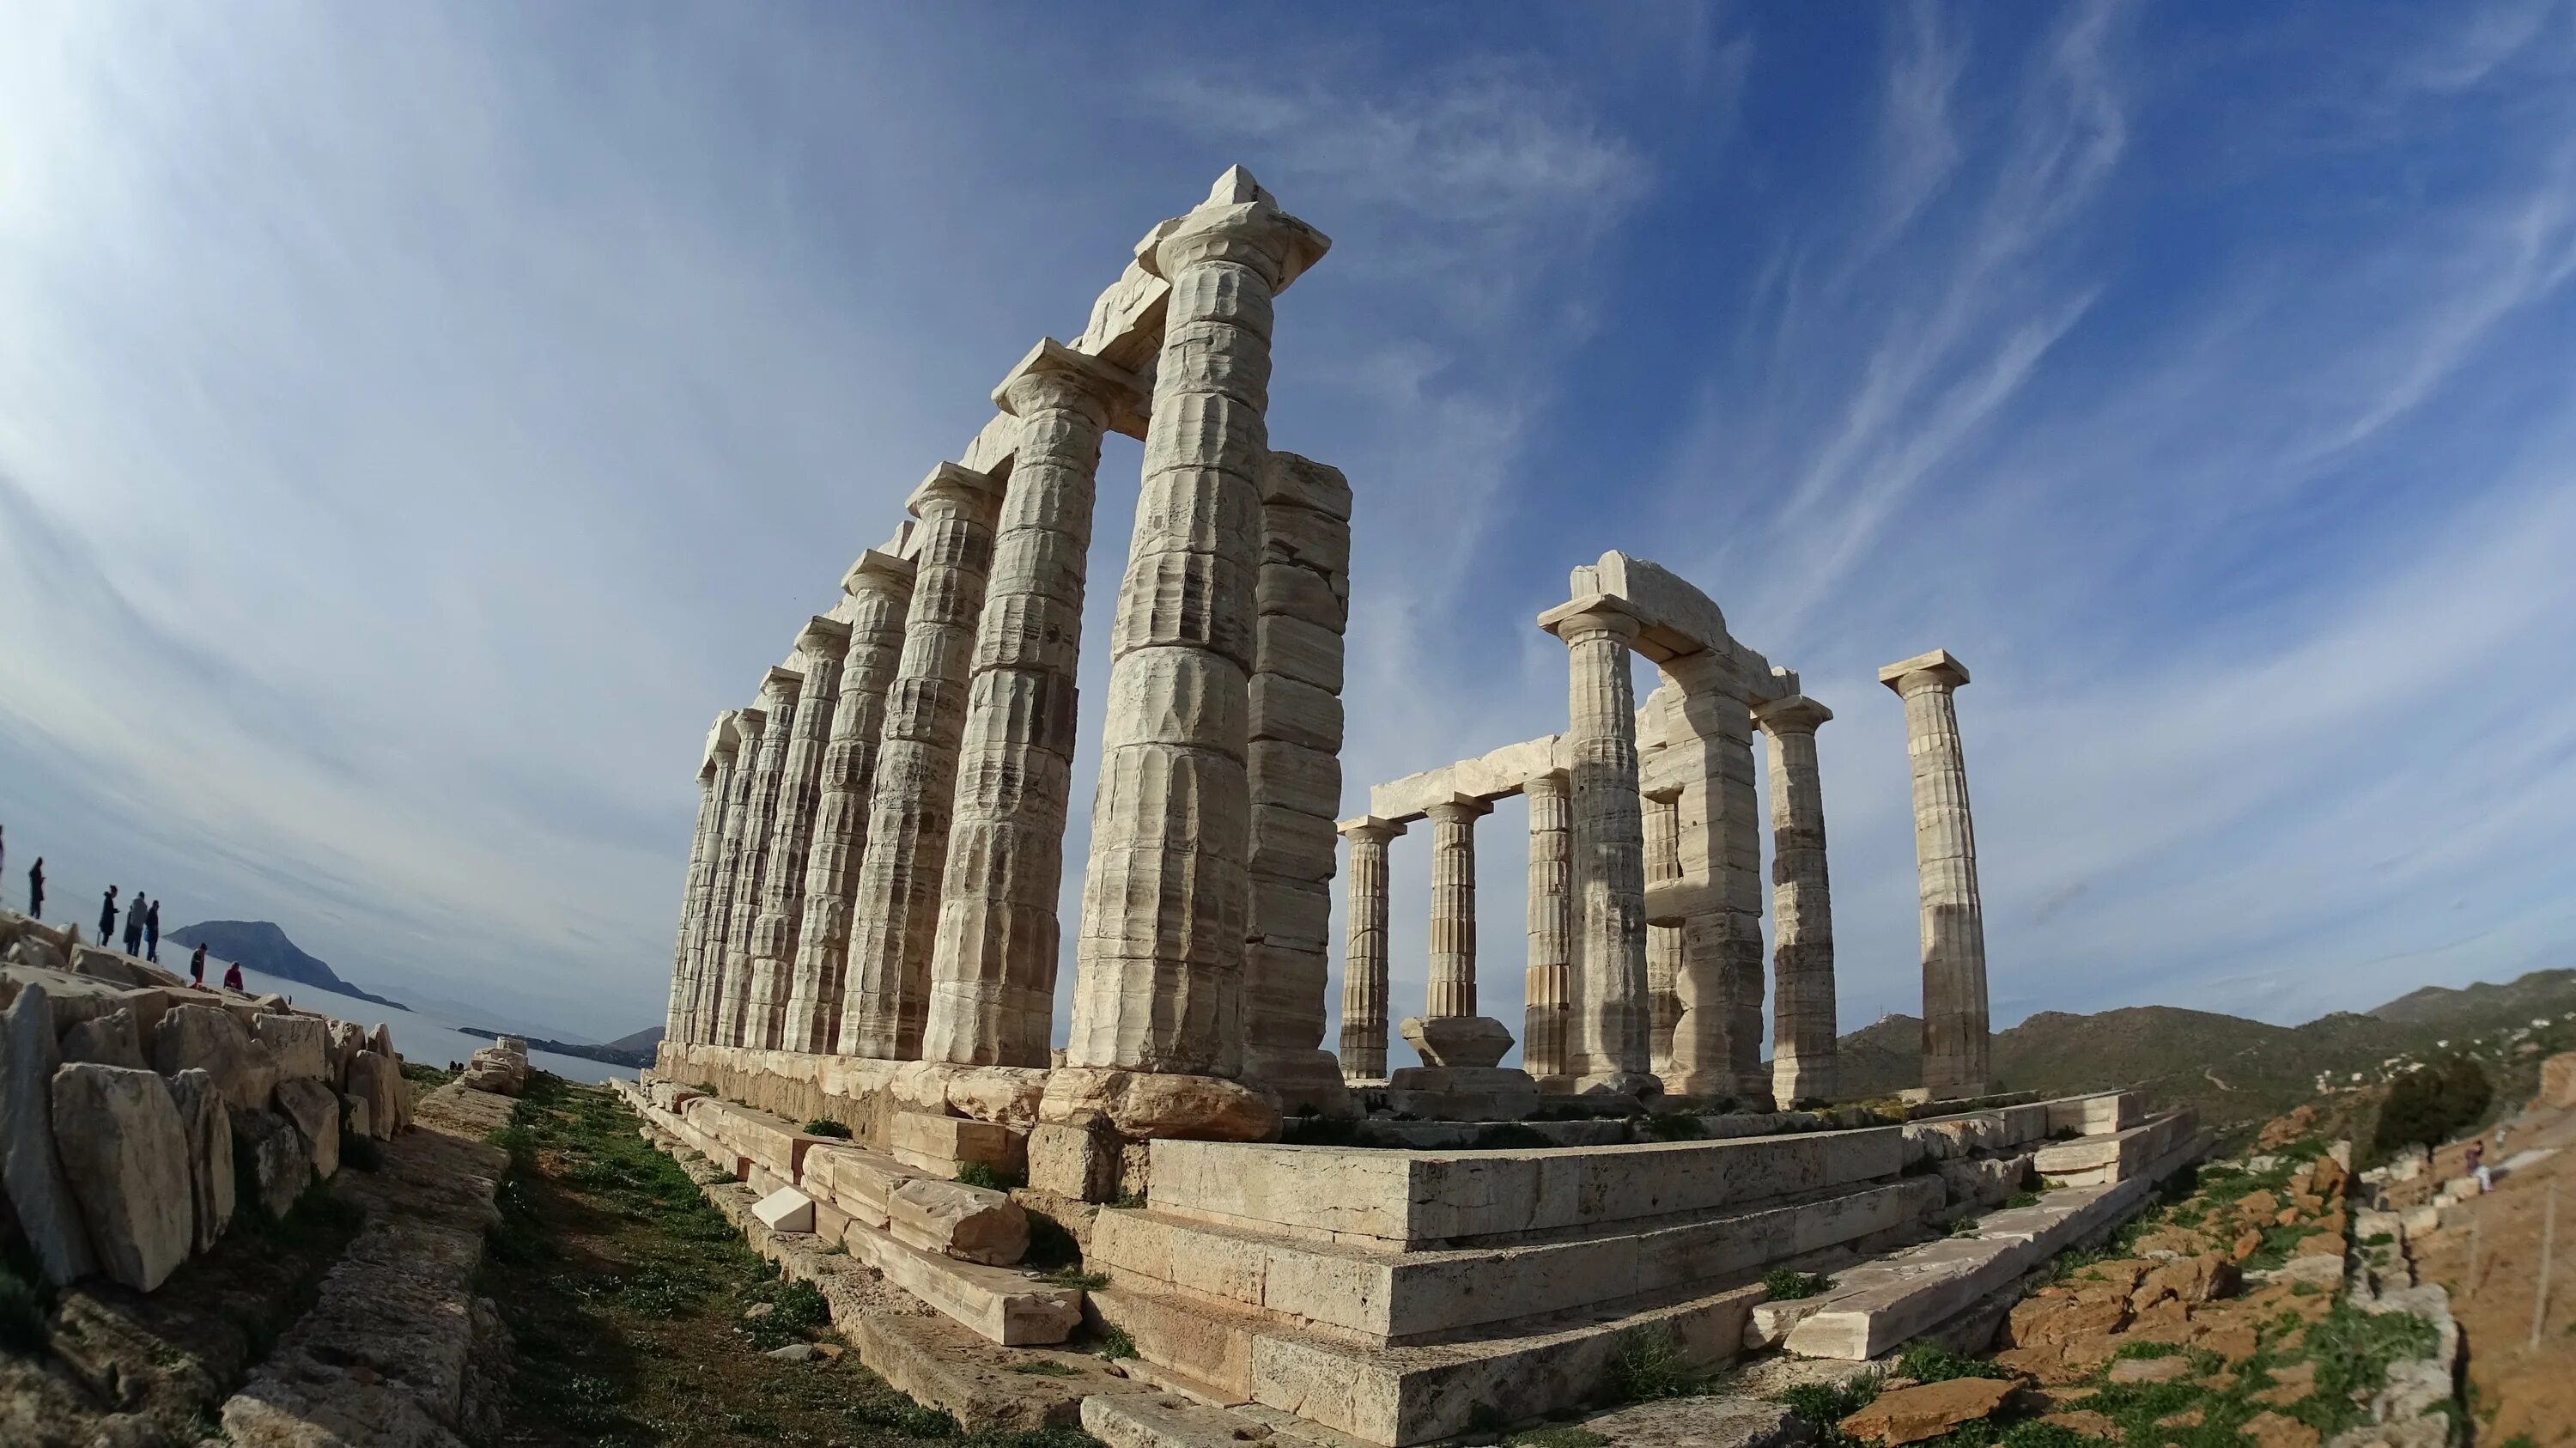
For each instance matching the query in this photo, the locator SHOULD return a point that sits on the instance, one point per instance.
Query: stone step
(1878, 1305)
(1404, 1395)
(1373, 1298)
(1177, 1420)
(2103, 1158)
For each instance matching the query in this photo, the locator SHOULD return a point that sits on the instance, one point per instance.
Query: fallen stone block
(375, 1079)
(274, 1162)
(1003, 1306)
(108, 1040)
(127, 1160)
(937, 1361)
(300, 1045)
(313, 1109)
(206, 1038)
(1166, 1420)
(30, 1168)
(356, 1116)
(972, 1224)
(1911, 1415)
(785, 1210)
(341, 1041)
(940, 1145)
(206, 1124)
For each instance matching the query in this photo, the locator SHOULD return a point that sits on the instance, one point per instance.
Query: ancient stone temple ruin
(1299, 1235)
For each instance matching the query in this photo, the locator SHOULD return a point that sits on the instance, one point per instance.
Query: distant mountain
(2233, 1070)
(261, 946)
(644, 1040)
(616, 1053)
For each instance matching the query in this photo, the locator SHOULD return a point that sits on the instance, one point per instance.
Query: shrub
(1785, 1284)
(1077, 1278)
(1822, 1405)
(1115, 1344)
(983, 1174)
(2428, 1107)
(826, 1126)
(1651, 1367)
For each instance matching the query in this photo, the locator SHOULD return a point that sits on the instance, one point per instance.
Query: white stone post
(1159, 983)
(780, 694)
(1364, 956)
(715, 783)
(895, 916)
(879, 586)
(992, 974)
(1717, 1042)
(1548, 989)
(707, 951)
(1453, 906)
(1956, 1047)
(1661, 815)
(1613, 1017)
(1802, 911)
(819, 649)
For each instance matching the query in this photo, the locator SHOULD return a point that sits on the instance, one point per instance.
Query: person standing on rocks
(36, 889)
(107, 918)
(134, 925)
(152, 933)
(197, 968)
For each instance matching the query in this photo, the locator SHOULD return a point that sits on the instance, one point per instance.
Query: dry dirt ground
(2489, 1255)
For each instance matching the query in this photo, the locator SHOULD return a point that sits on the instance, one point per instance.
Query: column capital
(823, 636)
(1592, 615)
(1935, 670)
(781, 685)
(1238, 222)
(1796, 714)
(955, 488)
(1458, 809)
(1552, 783)
(748, 723)
(1053, 374)
(1369, 829)
(878, 572)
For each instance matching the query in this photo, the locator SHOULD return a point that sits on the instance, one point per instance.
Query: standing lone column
(707, 952)
(1955, 1045)
(1453, 906)
(1802, 908)
(1613, 1017)
(1364, 954)
(781, 693)
(880, 589)
(992, 975)
(1547, 990)
(887, 997)
(1160, 958)
(1662, 819)
(819, 647)
(715, 791)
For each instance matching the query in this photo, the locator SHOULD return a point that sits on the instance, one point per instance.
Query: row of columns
(879, 847)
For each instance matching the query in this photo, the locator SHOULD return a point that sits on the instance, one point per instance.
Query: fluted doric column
(1717, 1042)
(1547, 990)
(715, 792)
(1160, 958)
(1802, 910)
(724, 881)
(1956, 1047)
(781, 693)
(1612, 1014)
(819, 649)
(896, 919)
(1364, 955)
(1453, 906)
(879, 586)
(992, 976)
(1661, 816)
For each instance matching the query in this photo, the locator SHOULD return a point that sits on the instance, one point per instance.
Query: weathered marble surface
(1956, 1043)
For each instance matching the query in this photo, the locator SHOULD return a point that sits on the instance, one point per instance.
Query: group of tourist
(142, 922)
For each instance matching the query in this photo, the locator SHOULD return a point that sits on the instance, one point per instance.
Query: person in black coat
(107, 918)
(36, 888)
(152, 933)
(134, 925)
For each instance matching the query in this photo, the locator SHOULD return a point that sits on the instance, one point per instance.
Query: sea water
(422, 1039)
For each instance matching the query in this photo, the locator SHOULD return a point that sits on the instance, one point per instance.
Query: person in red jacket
(232, 976)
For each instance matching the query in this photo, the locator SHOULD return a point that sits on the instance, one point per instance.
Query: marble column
(1612, 1014)
(1547, 991)
(1717, 1042)
(1802, 909)
(715, 788)
(1662, 818)
(886, 998)
(1159, 983)
(1364, 956)
(707, 951)
(992, 974)
(819, 649)
(879, 587)
(1956, 1059)
(1453, 906)
(781, 694)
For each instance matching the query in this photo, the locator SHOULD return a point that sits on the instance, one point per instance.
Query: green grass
(986, 1175)
(1075, 1277)
(1931, 1363)
(1822, 1405)
(826, 1126)
(1652, 1367)
(1114, 1344)
(1788, 1285)
(2022, 1199)
(1045, 1368)
(1564, 1435)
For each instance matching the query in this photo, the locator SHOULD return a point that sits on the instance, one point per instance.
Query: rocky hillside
(259, 945)
(2232, 1069)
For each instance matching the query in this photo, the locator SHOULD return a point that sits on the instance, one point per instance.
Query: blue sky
(417, 422)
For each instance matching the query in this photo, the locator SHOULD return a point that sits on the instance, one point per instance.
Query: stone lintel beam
(1499, 774)
(1938, 667)
(1129, 399)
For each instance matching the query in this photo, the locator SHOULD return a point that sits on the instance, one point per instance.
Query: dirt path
(2516, 1391)
(625, 1294)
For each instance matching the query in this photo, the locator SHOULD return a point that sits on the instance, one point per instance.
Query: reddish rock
(2189, 1279)
(2045, 1362)
(2055, 1319)
(2247, 1244)
(1911, 1415)
(2150, 1370)
(2085, 1421)
(2271, 1430)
